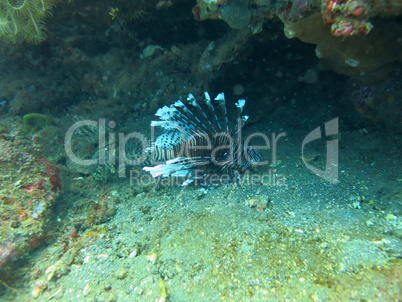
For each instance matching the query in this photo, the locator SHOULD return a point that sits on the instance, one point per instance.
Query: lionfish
(200, 144)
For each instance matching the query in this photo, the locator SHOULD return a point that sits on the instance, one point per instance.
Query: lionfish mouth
(200, 144)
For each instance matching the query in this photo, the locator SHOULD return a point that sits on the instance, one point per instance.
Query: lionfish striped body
(199, 143)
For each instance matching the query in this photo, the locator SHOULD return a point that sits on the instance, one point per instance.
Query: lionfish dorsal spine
(220, 98)
(240, 119)
(211, 107)
(187, 121)
(201, 117)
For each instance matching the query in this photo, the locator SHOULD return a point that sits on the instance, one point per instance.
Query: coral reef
(347, 17)
(379, 103)
(23, 20)
(323, 22)
(371, 58)
(29, 186)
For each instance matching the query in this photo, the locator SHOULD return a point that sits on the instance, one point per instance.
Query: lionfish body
(200, 143)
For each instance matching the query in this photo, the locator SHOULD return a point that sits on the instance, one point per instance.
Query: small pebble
(112, 297)
(134, 253)
(108, 286)
(121, 273)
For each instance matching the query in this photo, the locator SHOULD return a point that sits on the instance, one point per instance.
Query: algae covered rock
(33, 122)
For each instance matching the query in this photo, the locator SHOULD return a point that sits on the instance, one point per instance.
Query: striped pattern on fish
(199, 140)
